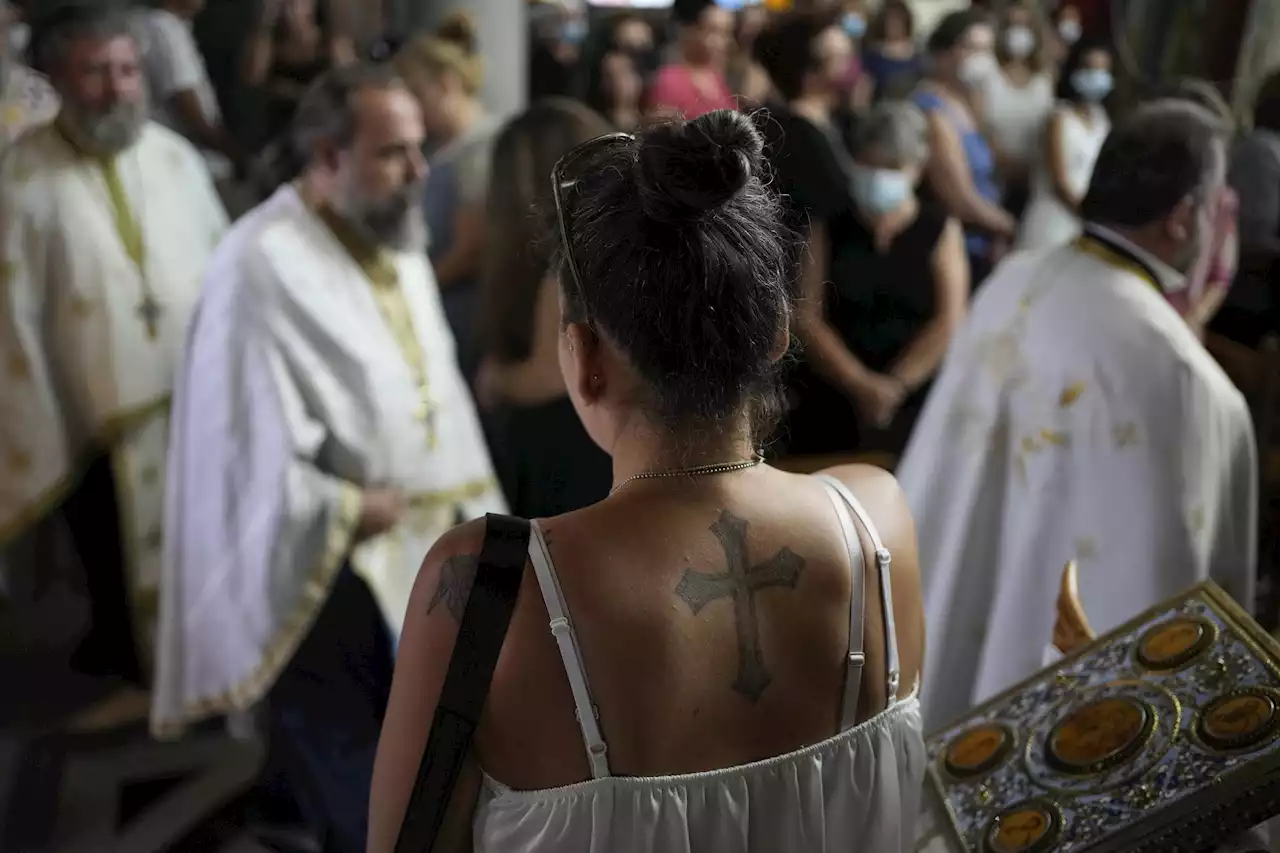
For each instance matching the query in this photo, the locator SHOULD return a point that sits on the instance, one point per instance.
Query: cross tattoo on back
(741, 582)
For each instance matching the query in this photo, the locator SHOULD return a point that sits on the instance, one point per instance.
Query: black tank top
(879, 302)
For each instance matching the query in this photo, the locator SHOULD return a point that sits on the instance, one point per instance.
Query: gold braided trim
(114, 429)
(1101, 251)
(315, 592)
(379, 268)
(469, 491)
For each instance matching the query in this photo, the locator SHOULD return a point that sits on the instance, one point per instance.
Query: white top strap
(884, 561)
(570, 654)
(857, 597)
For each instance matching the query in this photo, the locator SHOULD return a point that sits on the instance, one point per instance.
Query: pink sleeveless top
(674, 89)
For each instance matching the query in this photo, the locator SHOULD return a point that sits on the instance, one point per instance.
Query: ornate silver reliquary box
(1163, 735)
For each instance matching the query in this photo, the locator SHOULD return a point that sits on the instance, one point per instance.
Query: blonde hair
(451, 49)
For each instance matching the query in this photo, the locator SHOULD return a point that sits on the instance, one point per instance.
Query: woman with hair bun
(445, 73)
(740, 668)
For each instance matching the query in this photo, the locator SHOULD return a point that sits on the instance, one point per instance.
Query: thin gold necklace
(693, 471)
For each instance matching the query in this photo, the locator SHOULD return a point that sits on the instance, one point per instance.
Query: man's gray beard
(388, 224)
(108, 132)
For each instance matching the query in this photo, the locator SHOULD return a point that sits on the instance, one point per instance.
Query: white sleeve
(256, 531)
(1204, 481)
(1231, 522)
(173, 58)
(34, 455)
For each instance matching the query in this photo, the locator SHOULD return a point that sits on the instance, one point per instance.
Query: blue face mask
(854, 25)
(880, 191)
(574, 31)
(1092, 84)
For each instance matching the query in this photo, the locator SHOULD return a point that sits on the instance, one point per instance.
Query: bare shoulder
(883, 499)
(874, 487)
(448, 571)
(879, 493)
(885, 502)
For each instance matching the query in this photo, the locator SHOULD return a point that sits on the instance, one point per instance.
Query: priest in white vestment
(1077, 416)
(106, 224)
(324, 438)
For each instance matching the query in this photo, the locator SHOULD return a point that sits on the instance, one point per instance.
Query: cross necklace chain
(130, 229)
(693, 471)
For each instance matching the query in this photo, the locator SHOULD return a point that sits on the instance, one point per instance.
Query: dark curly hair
(685, 265)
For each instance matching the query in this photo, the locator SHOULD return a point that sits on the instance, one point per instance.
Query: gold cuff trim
(279, 652)
(315, 592)
(114, 429)
(468, 491)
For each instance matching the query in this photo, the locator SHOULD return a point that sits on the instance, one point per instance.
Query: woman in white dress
(688, 667)
(1016, 103)
(1072, 140)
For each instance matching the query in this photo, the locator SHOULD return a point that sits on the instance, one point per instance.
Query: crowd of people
(265, 392)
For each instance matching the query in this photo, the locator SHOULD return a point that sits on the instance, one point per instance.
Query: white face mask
(1092, 84)
(1019, 41)
(1070, 30)
(977, 69)
(880, 191)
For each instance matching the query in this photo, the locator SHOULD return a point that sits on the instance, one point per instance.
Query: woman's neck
(816, 108)
(644, 450)
(1018, 72)
(694, 61)
(465, 113)
(1085, 111)
(893, 48)
(891, 224)
(952, 88)
(626, 118)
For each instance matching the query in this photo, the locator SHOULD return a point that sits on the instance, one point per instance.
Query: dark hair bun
(689, 168)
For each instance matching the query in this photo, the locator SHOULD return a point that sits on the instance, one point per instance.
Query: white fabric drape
(1076, 417)
(27, 100)
(85, 243)
(296, 396)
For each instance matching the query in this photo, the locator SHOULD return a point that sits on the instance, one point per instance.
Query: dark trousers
(93, 517)
(327, 709)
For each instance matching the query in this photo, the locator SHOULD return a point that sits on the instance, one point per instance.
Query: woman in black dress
(877, 320)
(546, 462)
(884, 278)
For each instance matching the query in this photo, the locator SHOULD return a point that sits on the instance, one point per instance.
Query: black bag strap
(466, 686)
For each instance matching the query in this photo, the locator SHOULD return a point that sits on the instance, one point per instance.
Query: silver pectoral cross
(149, 311)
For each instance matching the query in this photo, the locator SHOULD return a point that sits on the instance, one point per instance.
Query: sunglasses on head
(565, 175)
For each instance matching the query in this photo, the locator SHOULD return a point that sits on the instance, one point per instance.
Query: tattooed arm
(426, 645)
